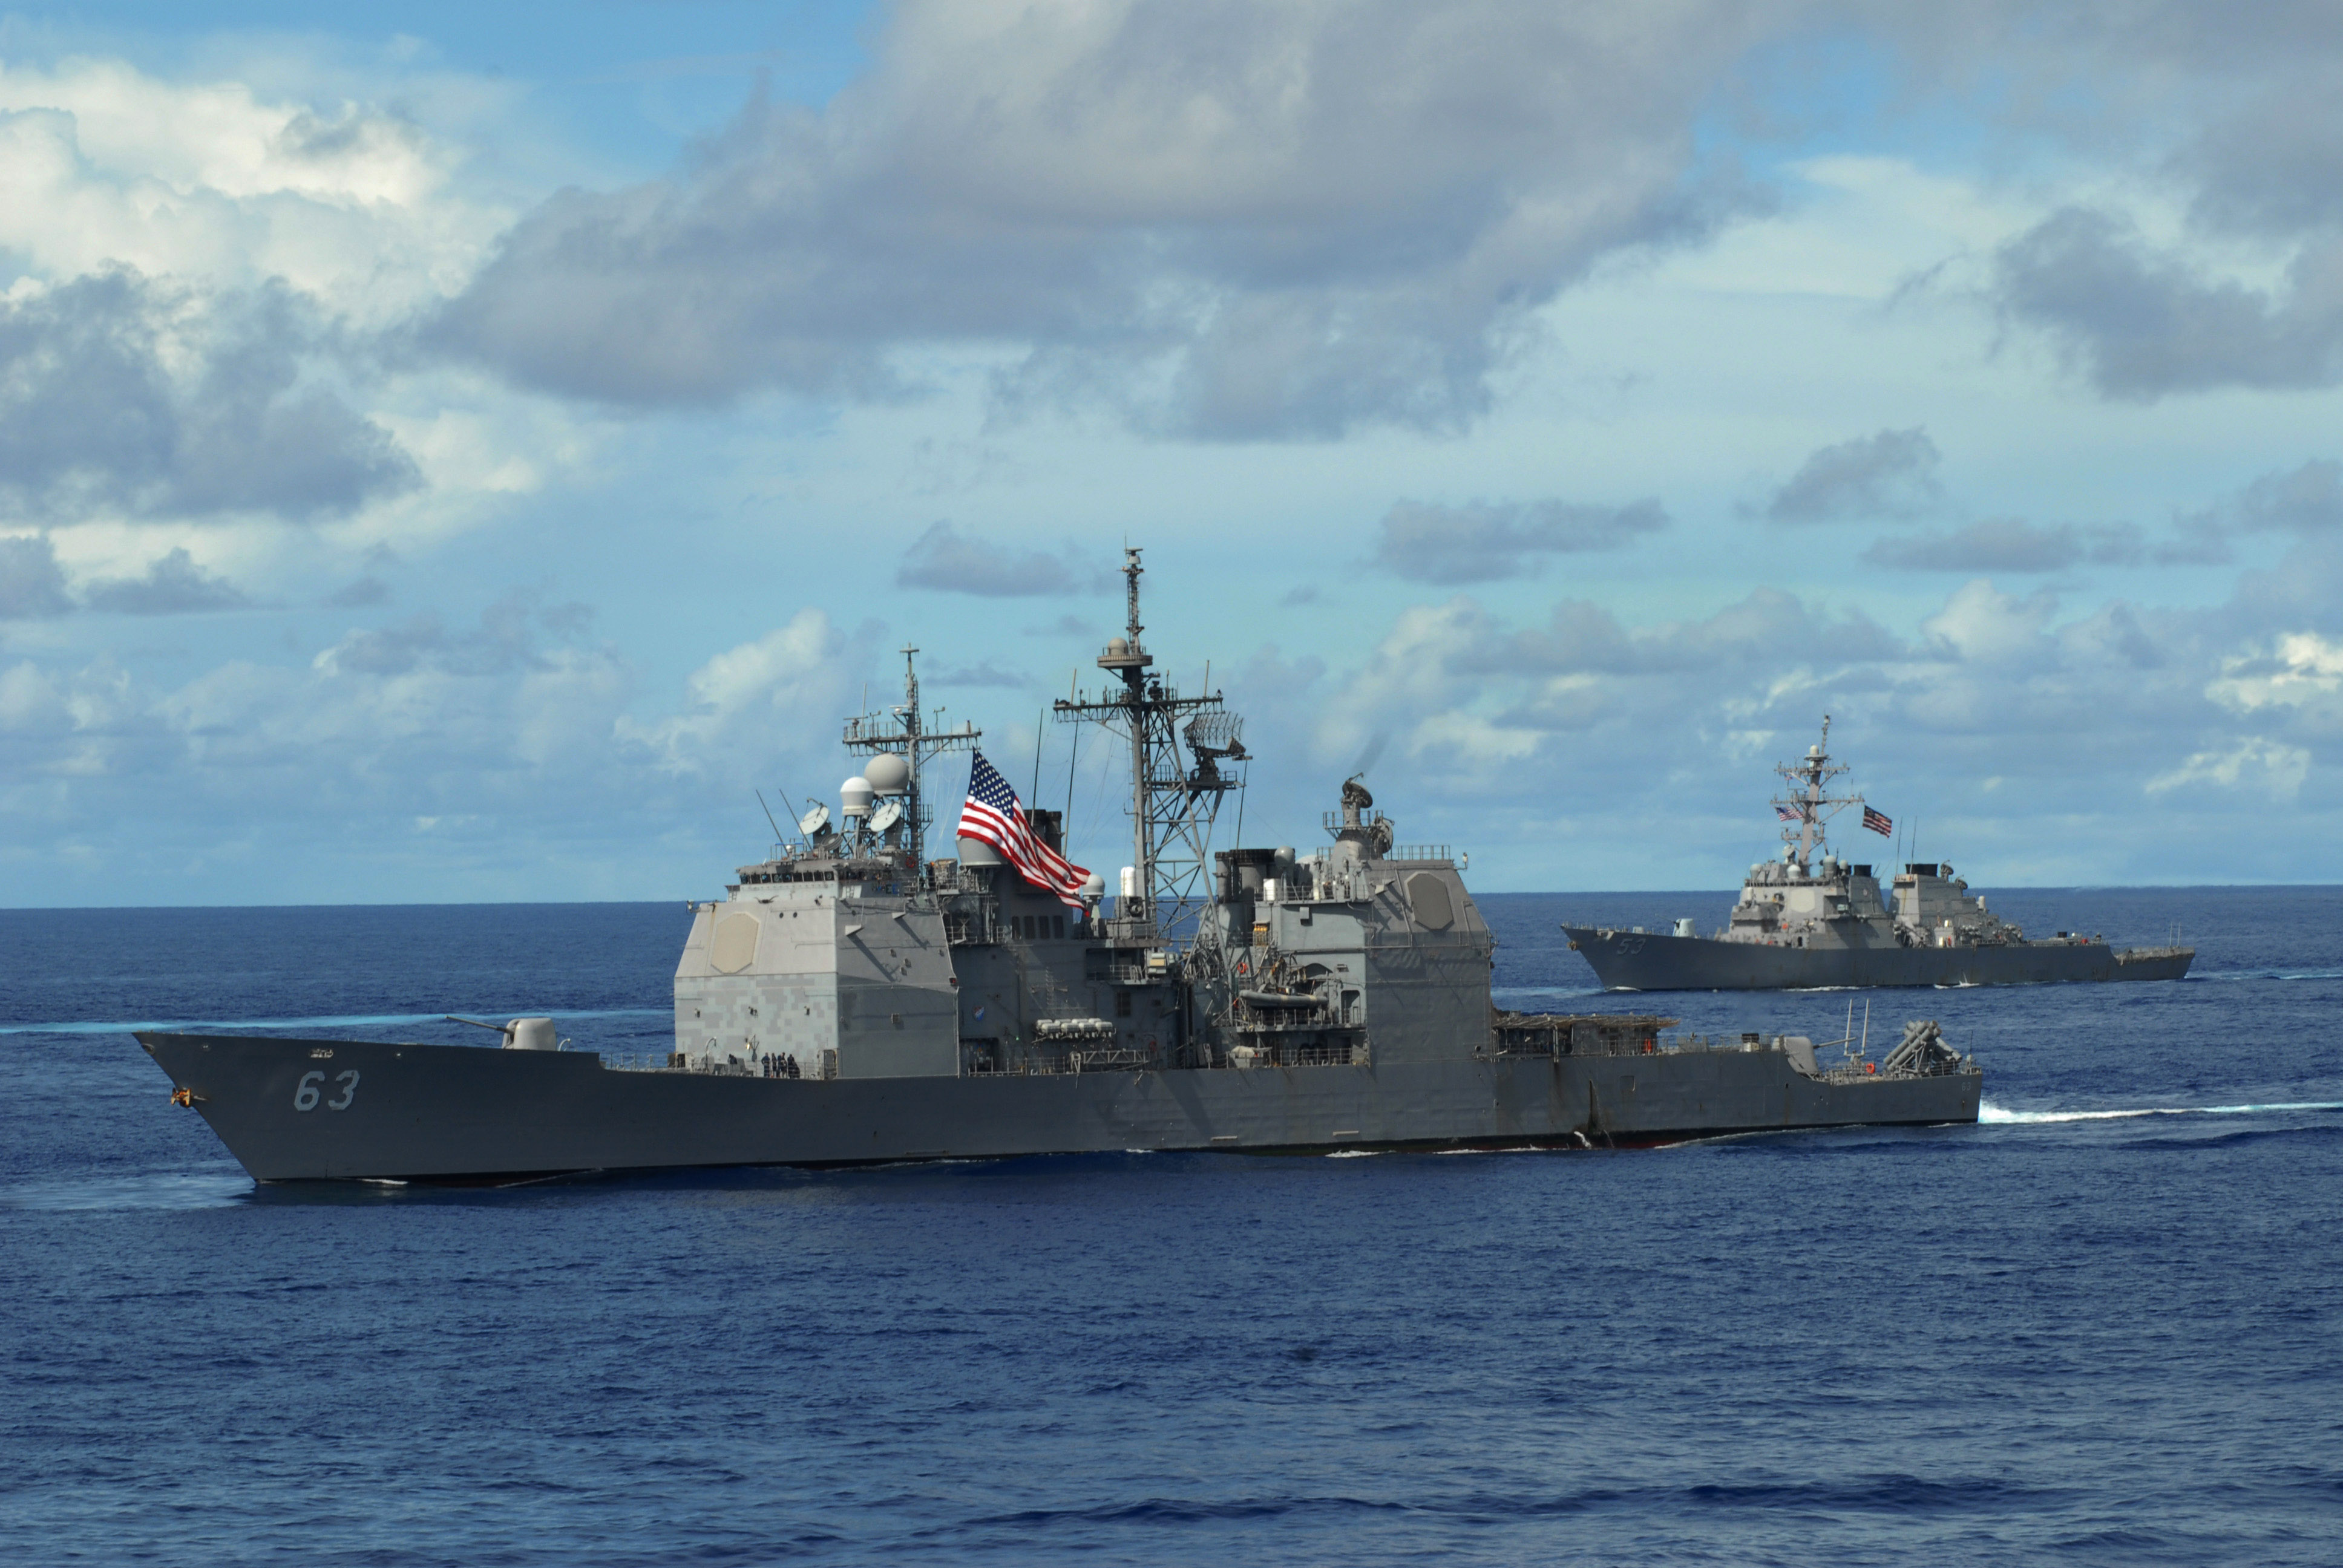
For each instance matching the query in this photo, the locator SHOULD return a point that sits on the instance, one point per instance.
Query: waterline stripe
(351, 1021)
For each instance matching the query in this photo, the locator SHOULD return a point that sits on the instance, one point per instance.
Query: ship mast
(902, 730)
(1172, 805)
(1809, 803)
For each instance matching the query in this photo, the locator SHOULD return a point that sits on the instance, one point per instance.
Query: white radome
(887, 773)
(855, 796)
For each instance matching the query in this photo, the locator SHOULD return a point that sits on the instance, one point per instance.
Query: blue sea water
(2103, 1326)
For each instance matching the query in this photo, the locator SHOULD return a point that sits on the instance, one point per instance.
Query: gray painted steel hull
(1636, 960)
(453, 1112)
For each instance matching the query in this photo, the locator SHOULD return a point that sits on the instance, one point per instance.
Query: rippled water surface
(2104, 1325)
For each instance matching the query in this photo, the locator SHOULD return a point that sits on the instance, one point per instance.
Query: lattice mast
(1173, 804)
(902, 730)
(1809, 803)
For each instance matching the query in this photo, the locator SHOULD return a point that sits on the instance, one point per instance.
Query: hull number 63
(305, 1095)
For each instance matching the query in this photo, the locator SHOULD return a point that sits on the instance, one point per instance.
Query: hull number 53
(305, 1095)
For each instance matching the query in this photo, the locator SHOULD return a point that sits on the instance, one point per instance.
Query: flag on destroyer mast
(1878, 823)
(993, 817)
(1787, 815)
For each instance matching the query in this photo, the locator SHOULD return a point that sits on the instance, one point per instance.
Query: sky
(447, 455)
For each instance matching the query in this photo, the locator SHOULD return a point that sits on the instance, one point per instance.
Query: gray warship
(849, 1002)
(1810, 919)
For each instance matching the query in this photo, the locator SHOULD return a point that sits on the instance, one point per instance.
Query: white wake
(1990, 1114)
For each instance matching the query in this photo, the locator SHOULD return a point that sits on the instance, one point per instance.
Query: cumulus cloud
(66, 725)
(1235, 221)
(1460, 690)
(949, 561)
(103, 167)
(2079, 708)
(2303, 668)
(2263, 767)
(2141, 325)
(32, 584)
(1890, 474)
(790, 683)
(1980, 625)
(1480, 542)
(2011, 545)
(172, 585)
(513, 736)
(121, 393)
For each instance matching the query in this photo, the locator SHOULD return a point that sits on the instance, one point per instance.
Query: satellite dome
(1119, 647)
(855, 796)
(1094, 886)
(977, 852)
(887, 773)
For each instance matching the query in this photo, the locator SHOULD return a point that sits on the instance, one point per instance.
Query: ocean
(2104, 1325)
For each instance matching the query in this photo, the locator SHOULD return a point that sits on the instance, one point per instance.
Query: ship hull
(1638, 961)
(292, 1110)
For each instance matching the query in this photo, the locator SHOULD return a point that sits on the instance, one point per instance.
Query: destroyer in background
(1810, 919)
(851, 1001)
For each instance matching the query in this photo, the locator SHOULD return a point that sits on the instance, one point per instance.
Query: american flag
(1878, 823)
(993, 817)
(1787, 815)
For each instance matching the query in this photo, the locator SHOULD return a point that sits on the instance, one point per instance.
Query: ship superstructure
(851, 1000)
(1809, 918)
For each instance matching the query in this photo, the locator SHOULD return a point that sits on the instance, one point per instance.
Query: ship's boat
(851, 1001)
(1811, 918)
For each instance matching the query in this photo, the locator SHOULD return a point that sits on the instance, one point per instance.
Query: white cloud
(2305, 668)
(2259, 767)
(205, 326)
(1982, 624)
(754, 699)
(1226, 221)
(102, 164)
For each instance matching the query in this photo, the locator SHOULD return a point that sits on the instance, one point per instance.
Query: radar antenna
(1809, 804)
(1173, 804)
(903, 730)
